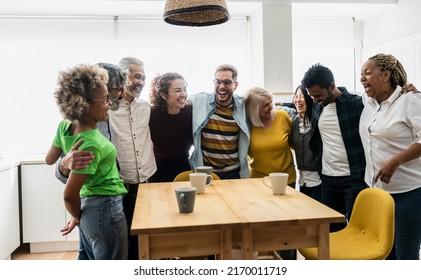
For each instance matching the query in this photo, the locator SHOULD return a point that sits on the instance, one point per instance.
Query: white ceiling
(358, 9)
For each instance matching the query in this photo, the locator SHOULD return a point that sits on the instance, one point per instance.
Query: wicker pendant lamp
(196, 12)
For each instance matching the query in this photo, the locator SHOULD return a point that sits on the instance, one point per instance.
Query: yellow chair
(184, 176)
(370, 232)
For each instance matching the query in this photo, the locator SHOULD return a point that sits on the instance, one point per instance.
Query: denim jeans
(103, 228)
(407, 226)
(339, 193)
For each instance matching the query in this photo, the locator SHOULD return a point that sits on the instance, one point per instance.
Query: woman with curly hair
(170, 125)
(93, 196)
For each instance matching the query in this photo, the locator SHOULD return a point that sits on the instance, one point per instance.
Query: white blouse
(387, 129)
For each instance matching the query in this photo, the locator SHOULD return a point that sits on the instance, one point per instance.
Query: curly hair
(159, 86)
(254, 99)
(73, 87)
(387, 62)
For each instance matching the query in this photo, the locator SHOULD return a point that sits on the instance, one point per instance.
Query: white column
(277, 47)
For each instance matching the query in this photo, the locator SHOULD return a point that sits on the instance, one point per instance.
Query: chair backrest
(184, 176)
(373, 215)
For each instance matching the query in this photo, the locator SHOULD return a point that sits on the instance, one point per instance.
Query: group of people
(239, 136)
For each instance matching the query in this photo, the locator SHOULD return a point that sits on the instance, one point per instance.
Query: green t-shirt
(103, 178)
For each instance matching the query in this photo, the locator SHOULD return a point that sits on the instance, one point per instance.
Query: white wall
(272, 56)
(34, 49)
(402, 20)
(396, 31)
(328, 42)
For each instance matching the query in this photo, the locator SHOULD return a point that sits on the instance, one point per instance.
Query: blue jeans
(407, 226)
(103, 228)
(339, 193)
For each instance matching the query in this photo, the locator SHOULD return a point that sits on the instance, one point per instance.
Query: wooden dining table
(240, 211)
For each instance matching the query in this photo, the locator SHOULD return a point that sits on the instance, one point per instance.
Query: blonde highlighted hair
(254, 100)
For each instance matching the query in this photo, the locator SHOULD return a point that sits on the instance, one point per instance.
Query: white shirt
(387, 129)
(132, 138)
(334, 158)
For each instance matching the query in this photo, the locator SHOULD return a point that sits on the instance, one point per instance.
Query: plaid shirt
(349, 108)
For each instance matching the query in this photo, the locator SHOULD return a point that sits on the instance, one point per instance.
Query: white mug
(198, 180)
(278, 182)
(205, 169)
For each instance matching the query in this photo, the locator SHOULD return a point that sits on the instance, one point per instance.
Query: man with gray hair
(132, 138)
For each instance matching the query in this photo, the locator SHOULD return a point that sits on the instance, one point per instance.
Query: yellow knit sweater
(269, 150)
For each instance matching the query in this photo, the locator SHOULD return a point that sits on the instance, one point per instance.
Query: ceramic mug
(199, 180)
(278, 182)
(186, 196)
(205, 169)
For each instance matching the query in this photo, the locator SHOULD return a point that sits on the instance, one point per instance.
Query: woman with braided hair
(390, 129)
(170, 125)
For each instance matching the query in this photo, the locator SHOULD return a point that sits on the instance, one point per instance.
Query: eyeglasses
(119, 90)
(116, 93)
(225, 82)
(106, 99)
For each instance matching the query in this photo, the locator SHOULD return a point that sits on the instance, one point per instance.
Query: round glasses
(116, 93)
(106, 99)
(118, 90)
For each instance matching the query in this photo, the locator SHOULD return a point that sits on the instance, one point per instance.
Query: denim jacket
(204, 106)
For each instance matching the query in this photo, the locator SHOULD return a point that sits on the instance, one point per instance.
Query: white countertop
(9, 161)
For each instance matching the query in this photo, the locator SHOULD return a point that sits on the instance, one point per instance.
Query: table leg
(247, 244)
(323, 252)
(226, 245)
(144, 247)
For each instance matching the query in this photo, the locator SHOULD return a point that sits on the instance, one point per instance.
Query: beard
(134, 94)
(115, 105)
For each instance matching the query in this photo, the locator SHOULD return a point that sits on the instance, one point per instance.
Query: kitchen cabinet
(9, 211)
(43, 211)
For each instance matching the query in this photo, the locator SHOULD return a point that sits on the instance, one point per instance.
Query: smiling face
(224, 87)
(373, 80)
(266, 110)
(300, 102)
(320, 95)
(99, 103)
(176, 97)
(137, 80)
